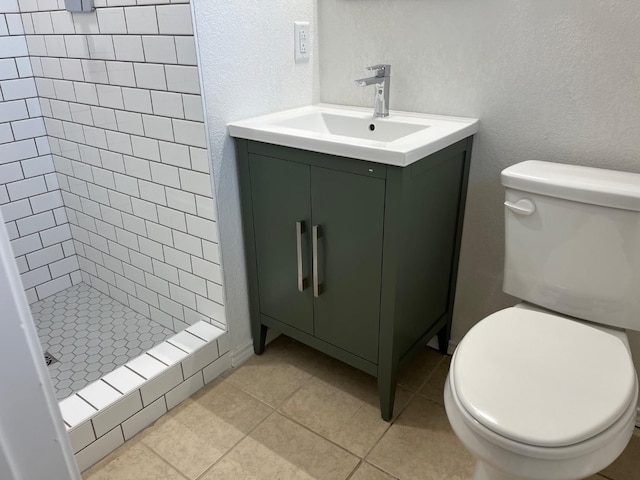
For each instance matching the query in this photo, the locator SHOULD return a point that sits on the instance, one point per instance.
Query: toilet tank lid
(597, 186)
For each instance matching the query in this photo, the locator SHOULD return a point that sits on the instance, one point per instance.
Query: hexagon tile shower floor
(90, 334)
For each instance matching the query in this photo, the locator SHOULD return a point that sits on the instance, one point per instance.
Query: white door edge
(33, 437)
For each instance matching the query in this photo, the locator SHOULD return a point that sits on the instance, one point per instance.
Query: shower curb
(102, 416)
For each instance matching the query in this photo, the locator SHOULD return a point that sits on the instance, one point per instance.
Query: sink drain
(49, 359)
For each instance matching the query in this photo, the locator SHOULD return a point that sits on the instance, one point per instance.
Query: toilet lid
(542, 379)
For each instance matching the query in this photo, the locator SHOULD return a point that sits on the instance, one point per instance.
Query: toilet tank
(572, 240)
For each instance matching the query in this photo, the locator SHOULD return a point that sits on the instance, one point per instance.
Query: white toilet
(547, 389)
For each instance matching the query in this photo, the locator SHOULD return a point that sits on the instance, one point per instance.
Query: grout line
(108, 129)
(413, 395)
(284, 414)
(215, 382)
(137, 251)
(419, 391)
(430, 374)
(364, 462)
(130, 358)
(355, 469)
(43, 76)
(318, 434)
(262, 400)
(121, 228)
(156, 454)
(145, 286)
(279, 410)
(382, 470)
(390, 424)
(210, 467)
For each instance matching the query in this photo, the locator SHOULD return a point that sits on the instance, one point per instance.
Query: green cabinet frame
(387, 252)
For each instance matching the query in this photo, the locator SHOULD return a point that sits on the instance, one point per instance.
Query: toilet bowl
(544, 425)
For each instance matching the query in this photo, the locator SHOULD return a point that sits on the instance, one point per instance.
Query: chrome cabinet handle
(300, 229)
(316, 232)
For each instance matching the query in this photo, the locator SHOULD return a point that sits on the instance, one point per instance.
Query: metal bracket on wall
(79, 6)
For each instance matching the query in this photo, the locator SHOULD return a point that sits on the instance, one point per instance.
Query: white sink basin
(400, 139)
(388, 130)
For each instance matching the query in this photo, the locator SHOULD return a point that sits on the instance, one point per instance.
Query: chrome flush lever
(524, 206)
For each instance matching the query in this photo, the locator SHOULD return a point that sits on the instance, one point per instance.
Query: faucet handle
(381, 70)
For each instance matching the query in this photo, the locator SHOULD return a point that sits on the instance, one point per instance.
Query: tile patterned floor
(294, 413)
(90, 334)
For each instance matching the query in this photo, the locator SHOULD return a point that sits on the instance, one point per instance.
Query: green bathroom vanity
(352, 257)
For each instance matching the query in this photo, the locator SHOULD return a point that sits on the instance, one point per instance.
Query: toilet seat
(541, 379)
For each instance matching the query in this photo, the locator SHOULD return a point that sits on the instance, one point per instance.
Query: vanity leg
(387, 381)
(443, 338)
(259, 339)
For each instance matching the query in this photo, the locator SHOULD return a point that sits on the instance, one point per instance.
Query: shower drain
(49, 359)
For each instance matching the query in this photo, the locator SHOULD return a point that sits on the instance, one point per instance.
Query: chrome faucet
(381, 80)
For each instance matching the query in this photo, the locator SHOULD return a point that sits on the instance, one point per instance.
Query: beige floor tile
(132, 461)
(369, 472)
(423, 364)
(198, 432)
(342, 404)
(421, 445)
(627, 466)
(284, 367)
(433, 388)
(281, 449)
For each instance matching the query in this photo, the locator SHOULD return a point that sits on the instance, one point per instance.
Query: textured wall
(120, 93)
(555, 81)
(247, 66)
(29, 194)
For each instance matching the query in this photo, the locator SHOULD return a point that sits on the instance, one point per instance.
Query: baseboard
(244, 352)
(241, 354)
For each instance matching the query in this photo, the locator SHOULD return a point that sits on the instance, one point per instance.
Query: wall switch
(302, 41)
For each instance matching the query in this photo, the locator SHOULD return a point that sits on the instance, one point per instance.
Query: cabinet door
(281, 197)
(349, 210)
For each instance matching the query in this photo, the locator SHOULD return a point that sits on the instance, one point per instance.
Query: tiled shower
(106, 192)
(30, 195)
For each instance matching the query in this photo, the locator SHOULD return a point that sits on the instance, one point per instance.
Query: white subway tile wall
(30, 198)
(120, 97)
